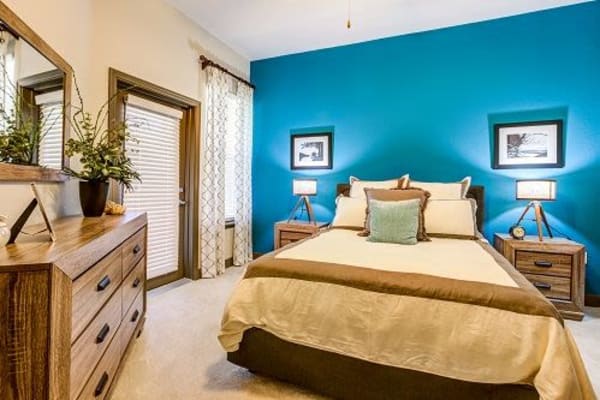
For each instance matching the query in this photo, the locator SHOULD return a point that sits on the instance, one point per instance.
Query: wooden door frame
(120, 82)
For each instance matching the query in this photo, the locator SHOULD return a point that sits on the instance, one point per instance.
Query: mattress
(452, 308)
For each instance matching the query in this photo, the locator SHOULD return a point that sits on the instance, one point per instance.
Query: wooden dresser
(293, 231)
(69, 310)
(555, 266)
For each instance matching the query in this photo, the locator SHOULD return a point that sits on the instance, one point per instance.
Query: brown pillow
(399, 195)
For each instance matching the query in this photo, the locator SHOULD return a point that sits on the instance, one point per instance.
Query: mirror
(35, 84)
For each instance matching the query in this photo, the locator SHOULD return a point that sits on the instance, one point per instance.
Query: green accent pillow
(394, 221)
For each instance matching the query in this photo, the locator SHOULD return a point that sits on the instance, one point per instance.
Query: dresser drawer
(133, 284)
(133, 251)
(97, 386)
(543, 263)
(552, 287)
(131, 320)
(92, 289)
(92, 343)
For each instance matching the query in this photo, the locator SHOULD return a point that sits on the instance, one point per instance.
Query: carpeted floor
(178, 356)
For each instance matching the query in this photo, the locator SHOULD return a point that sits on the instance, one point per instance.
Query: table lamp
(536, 191)
(304, 188)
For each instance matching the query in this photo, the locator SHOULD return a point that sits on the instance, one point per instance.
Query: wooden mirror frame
(32, 173)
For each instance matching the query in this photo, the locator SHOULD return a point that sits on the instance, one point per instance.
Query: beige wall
(145, 38)
(30, 61)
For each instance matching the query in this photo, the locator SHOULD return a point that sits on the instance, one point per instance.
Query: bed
(444, 319)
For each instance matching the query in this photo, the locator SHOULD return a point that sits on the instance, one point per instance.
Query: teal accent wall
(425, 104)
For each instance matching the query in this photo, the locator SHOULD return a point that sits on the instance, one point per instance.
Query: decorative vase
(92, 197)
(4, 231)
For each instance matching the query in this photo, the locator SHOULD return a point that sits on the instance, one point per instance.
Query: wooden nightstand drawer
(537, 262)
(294, 236)
(289, 232)
(555, 265)
(552, 287)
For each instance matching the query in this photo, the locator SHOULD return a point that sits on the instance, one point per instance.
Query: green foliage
(21, 133)
(20, 139)
(101, 147)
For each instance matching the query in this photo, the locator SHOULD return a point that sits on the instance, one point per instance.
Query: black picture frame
(552, 152)
(324, 153)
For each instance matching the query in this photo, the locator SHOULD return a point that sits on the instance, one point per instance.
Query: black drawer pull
(102, 334)
(136, 283)
(135, 316)
(543, 264)
(137, 249)
(101, 384)
(103, 284)
(542, 285)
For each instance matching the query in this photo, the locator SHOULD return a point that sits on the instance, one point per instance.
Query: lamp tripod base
(303, 200)
(540, 218)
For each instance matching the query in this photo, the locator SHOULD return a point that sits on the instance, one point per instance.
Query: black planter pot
(92, 196)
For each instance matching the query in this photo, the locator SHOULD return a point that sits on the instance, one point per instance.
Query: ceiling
(260, 29)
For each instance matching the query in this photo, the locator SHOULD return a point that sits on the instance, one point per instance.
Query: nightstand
(555, 266)
(289, 232)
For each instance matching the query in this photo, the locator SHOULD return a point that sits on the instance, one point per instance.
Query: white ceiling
(260, 29)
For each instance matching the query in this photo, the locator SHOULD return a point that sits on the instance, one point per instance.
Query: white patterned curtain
(229, 105)
(242, 234)
(212, 176)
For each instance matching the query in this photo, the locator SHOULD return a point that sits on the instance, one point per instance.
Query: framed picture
(311, 150)
(529, 145)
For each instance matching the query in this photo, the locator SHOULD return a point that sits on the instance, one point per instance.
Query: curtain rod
(206, 62)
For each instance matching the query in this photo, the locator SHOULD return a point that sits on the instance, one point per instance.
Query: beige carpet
(178, 356)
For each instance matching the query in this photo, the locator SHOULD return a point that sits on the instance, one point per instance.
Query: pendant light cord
(348, 22)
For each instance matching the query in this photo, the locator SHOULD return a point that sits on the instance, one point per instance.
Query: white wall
(145, 38)
(29, 61)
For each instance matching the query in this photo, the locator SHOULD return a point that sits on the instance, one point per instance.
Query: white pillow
(357, 186)
(350, 212)
(451, 218)
(445, 191)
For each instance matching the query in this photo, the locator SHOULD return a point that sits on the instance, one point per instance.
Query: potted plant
(102, 156)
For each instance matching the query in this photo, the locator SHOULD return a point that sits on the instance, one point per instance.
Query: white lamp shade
(536, 189)
(304, 187)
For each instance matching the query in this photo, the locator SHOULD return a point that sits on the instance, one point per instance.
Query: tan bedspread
(496, 329)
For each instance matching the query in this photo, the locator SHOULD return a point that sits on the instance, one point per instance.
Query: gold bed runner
(521, 300)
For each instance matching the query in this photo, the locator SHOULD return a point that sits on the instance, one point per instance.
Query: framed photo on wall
(311, 150)
(536, 144)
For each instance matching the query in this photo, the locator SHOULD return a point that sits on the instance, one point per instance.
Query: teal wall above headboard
(425, 104)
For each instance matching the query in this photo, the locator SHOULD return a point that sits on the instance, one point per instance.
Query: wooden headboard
(475, 192)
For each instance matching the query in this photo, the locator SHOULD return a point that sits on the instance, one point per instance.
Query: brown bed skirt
(349, 378)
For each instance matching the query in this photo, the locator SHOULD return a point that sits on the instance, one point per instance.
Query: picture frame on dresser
(533, 144)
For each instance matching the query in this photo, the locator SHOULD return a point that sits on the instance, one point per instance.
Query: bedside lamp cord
(554, 229)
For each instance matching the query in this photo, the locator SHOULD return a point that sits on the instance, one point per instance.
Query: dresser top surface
(77, 238)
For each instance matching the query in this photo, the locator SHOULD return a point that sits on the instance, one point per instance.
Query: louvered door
(155, 153)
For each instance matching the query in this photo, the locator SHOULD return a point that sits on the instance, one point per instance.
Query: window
(230, 156)
(154, 152)
(7, 77)
(51, 110)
